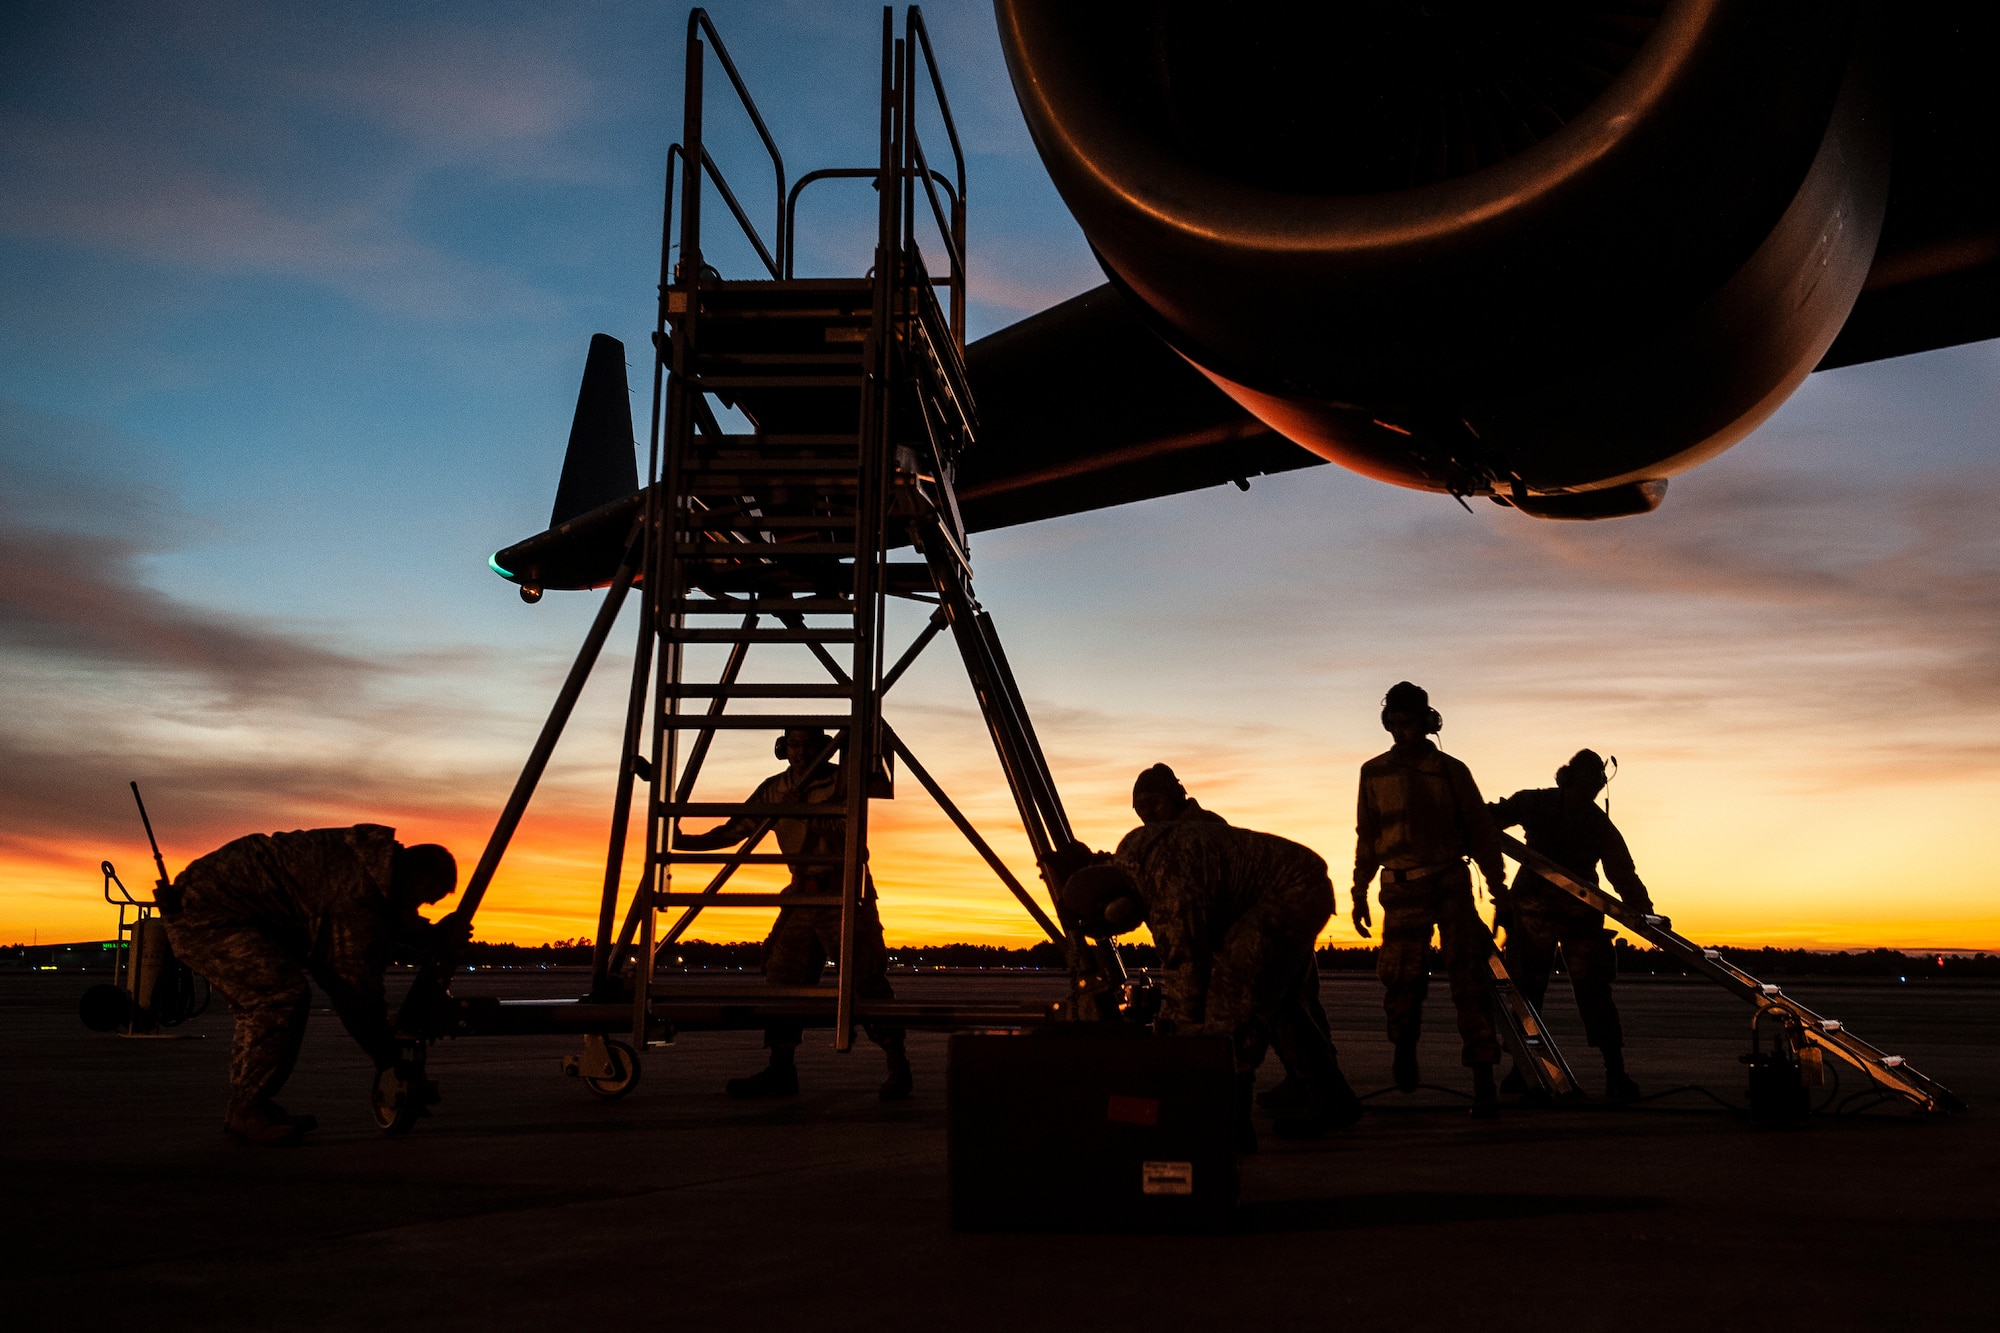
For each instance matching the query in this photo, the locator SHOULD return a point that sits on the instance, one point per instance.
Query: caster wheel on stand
(608, 1068)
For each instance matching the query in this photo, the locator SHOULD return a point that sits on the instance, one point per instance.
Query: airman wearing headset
(804, 939)
(1420, 818)
(1565, 824)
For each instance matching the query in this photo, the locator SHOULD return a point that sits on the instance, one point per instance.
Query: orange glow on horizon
(1836, 885)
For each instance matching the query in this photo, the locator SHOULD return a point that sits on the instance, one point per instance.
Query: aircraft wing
(1082, 407)
(1935, 281)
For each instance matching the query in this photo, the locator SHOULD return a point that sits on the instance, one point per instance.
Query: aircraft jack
(150, 989)
(1778, 1079)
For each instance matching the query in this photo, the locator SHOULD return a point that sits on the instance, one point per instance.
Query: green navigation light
(493, 563)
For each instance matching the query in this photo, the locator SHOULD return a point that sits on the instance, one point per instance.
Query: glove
(1503, 919)
(1067, 859)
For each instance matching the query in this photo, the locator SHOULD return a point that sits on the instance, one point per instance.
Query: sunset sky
(293, 303)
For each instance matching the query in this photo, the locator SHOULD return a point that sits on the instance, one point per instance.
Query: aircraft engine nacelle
(1549, 250)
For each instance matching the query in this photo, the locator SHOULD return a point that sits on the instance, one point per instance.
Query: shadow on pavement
(1361, 1211)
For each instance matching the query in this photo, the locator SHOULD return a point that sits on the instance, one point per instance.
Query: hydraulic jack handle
(162, 886)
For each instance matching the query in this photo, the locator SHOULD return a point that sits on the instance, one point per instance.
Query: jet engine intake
(1526, 248)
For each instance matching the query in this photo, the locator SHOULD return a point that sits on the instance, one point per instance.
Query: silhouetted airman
(1159, 797)
(259, 915)
(804, 939)
(1420, 817)
(1565, 824)
(1233, 913)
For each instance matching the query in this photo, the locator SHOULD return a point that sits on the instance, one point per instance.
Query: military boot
(1405, 1066)
(304, 1124)
(898, 1086)
(257, 1127)
(1327, 1108)
(1246, 1132)
(780, 1078)
(1485, 1100)
(1618, 1085)
(1288, 1095)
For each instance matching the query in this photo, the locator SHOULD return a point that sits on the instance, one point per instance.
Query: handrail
(832, 173)
(923, 36)
(792, 204)
(742, 218)
(699, 22)
(924, 173)
(953, 231)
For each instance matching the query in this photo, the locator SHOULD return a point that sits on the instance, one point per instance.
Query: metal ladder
(857, 396)
(1528, 1039)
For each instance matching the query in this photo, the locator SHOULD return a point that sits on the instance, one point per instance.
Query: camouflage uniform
(261, 914)
(1576, 836)
(804, 939)
(1420, 815)
(1299, 1026)
(1232, 912)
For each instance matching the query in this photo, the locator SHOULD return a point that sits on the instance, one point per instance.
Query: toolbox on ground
(1082, 1128)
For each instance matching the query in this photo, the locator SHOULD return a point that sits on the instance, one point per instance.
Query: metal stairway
(786, 538)
(790, 537)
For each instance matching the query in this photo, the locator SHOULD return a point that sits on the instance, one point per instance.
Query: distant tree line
(748, 955)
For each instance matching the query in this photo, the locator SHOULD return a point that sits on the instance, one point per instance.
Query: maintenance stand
(857, 395)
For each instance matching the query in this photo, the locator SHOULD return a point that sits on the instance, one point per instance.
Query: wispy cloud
(73, 536)
(247, 722)
(505, 99)
(1870, 599)
(82, 186)
(237, 139)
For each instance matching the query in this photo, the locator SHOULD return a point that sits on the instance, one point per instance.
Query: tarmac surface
(528, 1203)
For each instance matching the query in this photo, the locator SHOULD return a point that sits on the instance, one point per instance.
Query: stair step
(817, 690)
(737, 485)
(804, 606)
(777, 440)
(756, 721)
(751, 859)
(766, 463)
(825, 314)
(771, 550)
(731, 809)
(809, 634)
(719, 461)
(899, 575)
(719, 383)
(777, 900)
(713, 522)
(757, 487)
(706, 359)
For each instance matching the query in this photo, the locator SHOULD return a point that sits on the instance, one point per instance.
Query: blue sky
(295, 301)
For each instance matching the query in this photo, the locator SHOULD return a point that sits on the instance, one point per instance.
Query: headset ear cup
(1436, 720)
(778, 750)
